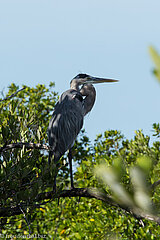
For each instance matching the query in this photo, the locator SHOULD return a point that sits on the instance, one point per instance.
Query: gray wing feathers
(64, 126)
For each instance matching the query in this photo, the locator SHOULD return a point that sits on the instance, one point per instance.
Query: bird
(68, 116)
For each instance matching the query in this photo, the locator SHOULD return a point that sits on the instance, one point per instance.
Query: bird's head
(83, 78)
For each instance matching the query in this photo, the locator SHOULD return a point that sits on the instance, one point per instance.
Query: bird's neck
(75, 85)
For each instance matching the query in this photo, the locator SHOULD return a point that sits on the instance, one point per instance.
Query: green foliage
(134, 195)
(156, 128)
(24, 174)
(156, 59)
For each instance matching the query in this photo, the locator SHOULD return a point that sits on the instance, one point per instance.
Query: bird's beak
(94, 80)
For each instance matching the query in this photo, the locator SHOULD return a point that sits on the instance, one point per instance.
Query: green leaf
(156, 59)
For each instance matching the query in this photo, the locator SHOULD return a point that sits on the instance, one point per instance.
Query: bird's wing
(65, 124)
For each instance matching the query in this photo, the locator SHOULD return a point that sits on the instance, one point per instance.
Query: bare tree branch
(12, 94)
(94, 193)
(82, 192)
(27, 145)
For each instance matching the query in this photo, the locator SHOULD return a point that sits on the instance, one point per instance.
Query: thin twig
(27, 145)
(12, 94)
(25, 217)
(155, 184)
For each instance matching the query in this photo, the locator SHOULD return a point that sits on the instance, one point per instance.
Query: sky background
(43, 41)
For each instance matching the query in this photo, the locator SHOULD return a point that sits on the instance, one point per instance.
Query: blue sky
(43, 41)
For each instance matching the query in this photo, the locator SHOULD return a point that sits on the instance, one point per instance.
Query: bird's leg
(50, 157)
(54, 183)
(55, 176)
(70, 164)
(56, 165)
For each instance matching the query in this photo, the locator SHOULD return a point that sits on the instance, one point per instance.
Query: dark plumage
(66, 122)
(68, 115)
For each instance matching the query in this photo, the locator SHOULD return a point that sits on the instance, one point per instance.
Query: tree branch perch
(82, 192)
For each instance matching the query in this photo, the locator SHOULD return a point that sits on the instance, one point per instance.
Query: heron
(68, 116)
